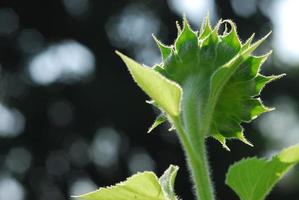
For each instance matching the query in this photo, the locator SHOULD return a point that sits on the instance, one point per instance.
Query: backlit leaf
(164, 92)
(253, 178)
(141, 186)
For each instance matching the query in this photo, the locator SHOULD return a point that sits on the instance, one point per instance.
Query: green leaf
(253, 178)
(166, 93)
(167, 182)
(158, 121)
(141, 186)
(289, 155)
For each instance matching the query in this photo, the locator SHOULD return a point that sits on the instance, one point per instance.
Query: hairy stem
(192, 129)
(198, 164)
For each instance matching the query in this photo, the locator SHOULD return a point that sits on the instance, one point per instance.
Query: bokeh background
(72, 119)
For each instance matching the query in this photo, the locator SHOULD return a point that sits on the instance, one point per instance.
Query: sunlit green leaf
(164, 92)
(253, 178)
(141, 186)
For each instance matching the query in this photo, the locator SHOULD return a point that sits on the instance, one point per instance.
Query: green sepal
(233, 96)
(251, 48)
(178, 27)
(212, 39)
(220, 138)
(159, 69)
(229, 46)
(251, 67)
(248, 42)
(232, 37)
(261, 81)
(164, 49)
(205, 29)
(253, 178)
(158, 121)
(187, 34)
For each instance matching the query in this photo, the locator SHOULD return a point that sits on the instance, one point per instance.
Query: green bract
(214, 76)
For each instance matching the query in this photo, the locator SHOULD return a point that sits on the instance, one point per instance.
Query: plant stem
(197, 161)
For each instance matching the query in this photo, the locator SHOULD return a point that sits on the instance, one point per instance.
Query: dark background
(72, 119)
